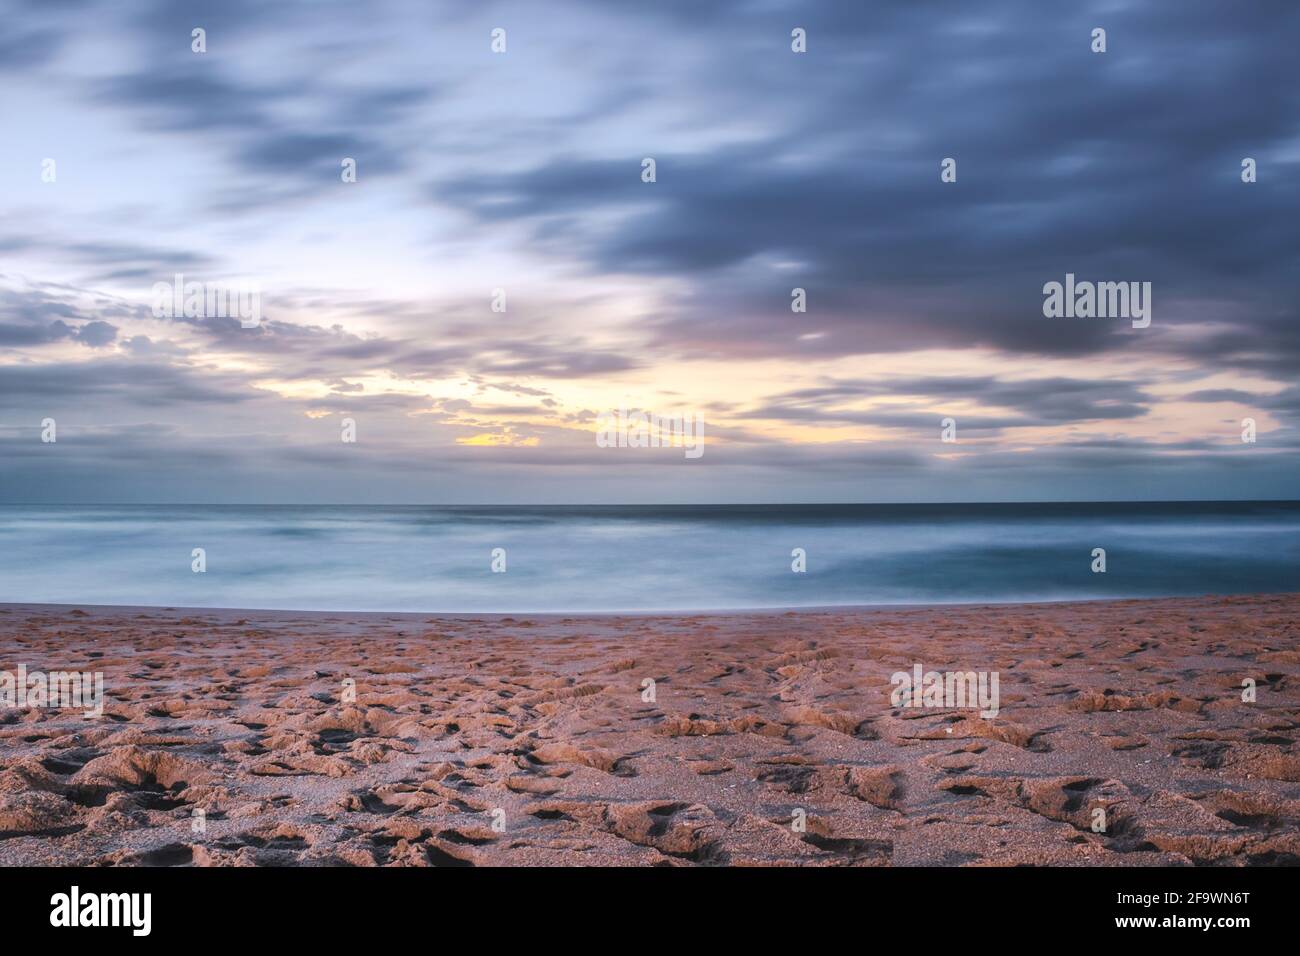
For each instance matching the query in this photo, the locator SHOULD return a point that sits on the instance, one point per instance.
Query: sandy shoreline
(525, 739)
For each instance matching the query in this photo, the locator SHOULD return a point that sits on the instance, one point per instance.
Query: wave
(641, 558)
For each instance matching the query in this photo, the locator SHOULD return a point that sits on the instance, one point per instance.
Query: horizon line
(638, 504)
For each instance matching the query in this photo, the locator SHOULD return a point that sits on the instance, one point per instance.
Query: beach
(267, 738)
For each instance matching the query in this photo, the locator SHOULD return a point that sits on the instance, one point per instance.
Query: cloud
(775, 171)
(25, 49)
(1032, 402)
(1123, 166)
(34, 317)
(96, 334)
(135, 382)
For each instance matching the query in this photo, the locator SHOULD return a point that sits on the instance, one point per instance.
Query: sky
(517, 178)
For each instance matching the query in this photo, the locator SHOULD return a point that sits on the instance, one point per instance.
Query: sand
(771, 738)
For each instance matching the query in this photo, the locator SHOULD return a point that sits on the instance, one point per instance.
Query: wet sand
(770, 738)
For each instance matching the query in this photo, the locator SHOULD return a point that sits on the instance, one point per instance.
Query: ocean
(640, 558)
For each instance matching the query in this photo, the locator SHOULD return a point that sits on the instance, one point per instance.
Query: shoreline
(162, 609)
(768, 738)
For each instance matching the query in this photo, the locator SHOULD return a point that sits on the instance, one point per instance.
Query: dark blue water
(641, 558)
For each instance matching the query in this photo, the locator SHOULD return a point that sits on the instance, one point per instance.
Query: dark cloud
(144, 346)
(27, 334)
(188, 101)
(1031, 403)
(321, 153)
(1220, 395)
(123, 380)
(34, 317)
(25, 49)
(285, 133)
(96, 334)
(100, 261)
(1120, 166)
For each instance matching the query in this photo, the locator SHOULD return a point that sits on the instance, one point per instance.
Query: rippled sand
(527, 740)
